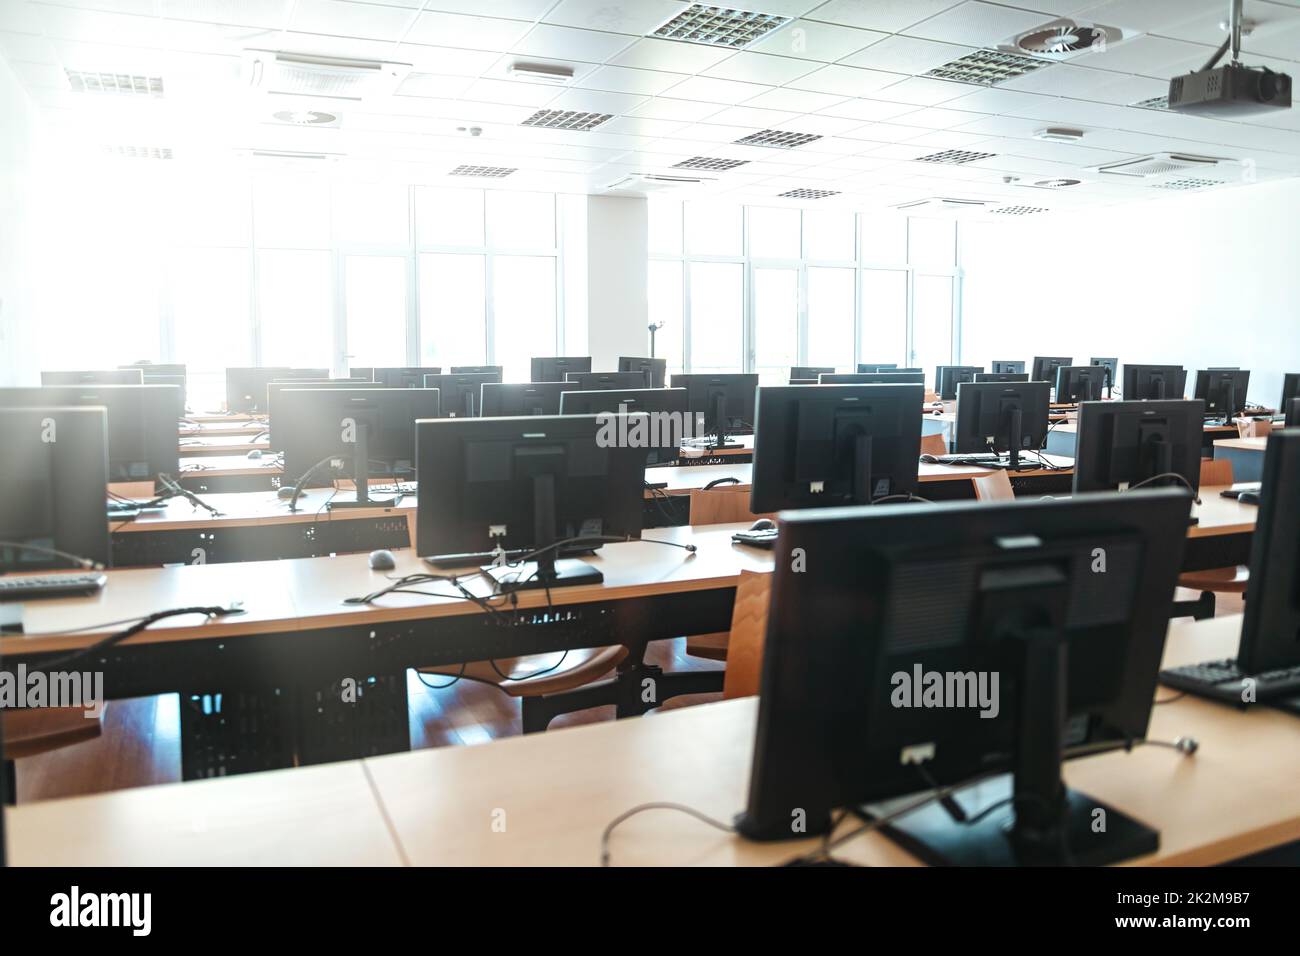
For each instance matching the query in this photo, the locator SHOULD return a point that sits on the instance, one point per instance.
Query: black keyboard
(27, 586)
(1223, 680)
(983, 460)
(764, 538)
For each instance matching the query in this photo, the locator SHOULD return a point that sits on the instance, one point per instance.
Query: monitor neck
(862, 469)
(1015, 419)
(544, 524)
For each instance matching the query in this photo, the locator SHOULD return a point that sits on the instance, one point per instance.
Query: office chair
(32, 731)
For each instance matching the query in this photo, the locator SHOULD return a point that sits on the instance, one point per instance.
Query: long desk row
(444, 806)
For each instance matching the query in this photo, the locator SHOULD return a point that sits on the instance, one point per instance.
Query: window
(932, 243)
(210, 290)
(884, 317)
(372, 214)
(884, 239)
(665, 228)
(449, 217)
(523, 309)
(375, 301)
(291, 211)
(713, 230)
(773, 233)
(717, 319)
(453, 327)
(828, 235)
(665, 295)
(932, 322)
(831, 317)
(296, 308)
(521, 220)
(776, 323)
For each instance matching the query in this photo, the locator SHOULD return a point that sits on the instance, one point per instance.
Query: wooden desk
(221, 445)
(206, 474)
(235, 426)
(1246, 455)
(205, 418)
(1236, 796)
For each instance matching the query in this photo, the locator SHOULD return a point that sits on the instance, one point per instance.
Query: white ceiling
(846, 70)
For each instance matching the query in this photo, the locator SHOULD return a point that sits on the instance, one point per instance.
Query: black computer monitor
(985, 378)
(1121, 444)
(1153, 382)
(142, 438)
(1290, 390)
(361, 433)
(655, 369)
(809, 371)
(1080, 383)
(828, 445)
(555, 368)
(157, 373)
(1007, 367)
(1045, 366)
(512, 399)
(362, 373)
(1223, 391)
(668, 418)
(246, 386)
(1111, 365)
(873, 378)
(106, 376)
(273, 390)
(500, 489)
(407, 376)
(54, 472)
(602, 381)
(892, 691)
(948, 377)
(1292, 413)
(725, 400)
(1003, 418)
(876, 366)
(477, 370)
(461, 394)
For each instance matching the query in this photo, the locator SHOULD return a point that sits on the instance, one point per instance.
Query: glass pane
(371, 213)
(295, 302)
(884, 317)
(884, 239)
(449, 217)
(717, 304)
(665, 227)
(453, 330)
(523, 308)
(828, 235)
(210, 302)
(211, 211)
(773, 233)
(665, 296)
(291, 211)
(776, 324)
(932, 243)
(830, 317)
(932, 322)
(521, 220)
(712, 229)
(375, 297)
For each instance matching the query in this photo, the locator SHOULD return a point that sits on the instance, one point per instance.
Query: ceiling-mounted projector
(1232, 89)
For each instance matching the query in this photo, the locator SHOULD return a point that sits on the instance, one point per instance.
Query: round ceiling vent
(305, 117)
(1057, 183)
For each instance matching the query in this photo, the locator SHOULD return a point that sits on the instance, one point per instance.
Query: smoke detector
(1064, 39)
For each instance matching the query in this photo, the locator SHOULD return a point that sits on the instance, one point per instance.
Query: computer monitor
(409, 376)
(655, 369)
(876, 366)
(1290, 390)
(512, 399)
(142, 439)
(106, 376)
(1045, 366)
(1293, 413)
(1111, 365)
(477, 370)
(873, 378)
(246, 386)
(1153, 382)
(273, 390)
(1003, 418)
(1008, 368)
(1024, 657)
(1121, 444)
(361, 433)
(501, 489)
(1080, 383)
(555, 368)
(985, 378)
(362, 373)
(54, 472)
(461, 394)
(155, 373)
(668, 416)
(725, 400)
(948, 377)
(809, 371)
(1223, 391)
(828, 445)
(603, 381)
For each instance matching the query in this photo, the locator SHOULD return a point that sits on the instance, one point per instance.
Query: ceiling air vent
(567, 119)
(1154, 103)
(289, 155)
(139, 152)
(944, 204)
(802, 193)
(1188, 182)
(1159, 164)
(642, 183)
(777, 139)
(954, 157)
(126, 83)
(336, 77)
(718, 26)
(484, 172)
(1018, 210)
(1064, 38)
(709, 162)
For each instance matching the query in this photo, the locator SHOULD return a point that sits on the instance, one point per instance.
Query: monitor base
(371, 503)
(569, 572)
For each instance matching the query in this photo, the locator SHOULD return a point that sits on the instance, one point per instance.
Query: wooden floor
(141, 740)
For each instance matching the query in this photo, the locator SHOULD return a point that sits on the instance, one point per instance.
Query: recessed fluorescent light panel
(1188, 183)
(485, 172)
(718, 26)
(1154, 103)
(1018, 210)
(133, 84)
(546, 72)
(777, 139)
(953, 157)
(986, 67)
(140, 152)
(808, 193)
(567, 119)
(709, 162)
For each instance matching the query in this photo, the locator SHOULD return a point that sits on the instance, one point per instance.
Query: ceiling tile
(799, 101)
(751, 117)
(910, 55)
(596, 101)
(448, 60)
(474, 33)
(515, 94)
(890, 16)
(567, 43)
(845, 81)
(620, 79)
(345, 18)
(715, 91)
(761, 68)
(923, 91)
(665, 107)
(811, 40)
(672, 57)
(637, 17)
(868, 110)
(1152, 56)
(977, 24)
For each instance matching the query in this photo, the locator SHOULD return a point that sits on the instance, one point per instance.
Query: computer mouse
(382, 560)
(762, 524)
(255, 453)
(1249, 498)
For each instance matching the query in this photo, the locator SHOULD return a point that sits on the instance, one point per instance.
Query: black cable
(59, 662)
(1168, 474)
(84, 563)
(302, 482)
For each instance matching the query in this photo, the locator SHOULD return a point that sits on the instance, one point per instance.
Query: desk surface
(226, 466)
(1234, 797)
(247, 508)
(1243, 444)
(1073, 426)
(220, 445)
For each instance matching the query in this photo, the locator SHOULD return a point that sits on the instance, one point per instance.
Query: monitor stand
(1043, 822)
(720, 423)
(547, 571)
(361, 477)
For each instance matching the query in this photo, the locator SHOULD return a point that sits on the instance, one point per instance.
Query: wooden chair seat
(711, 647)
(38, 730)
(933, 445)
(995, 486)
(580, 667)
(1223, 580)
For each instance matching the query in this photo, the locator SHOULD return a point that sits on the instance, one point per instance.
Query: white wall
(1201, 279)
(617, 257)
(17, 149)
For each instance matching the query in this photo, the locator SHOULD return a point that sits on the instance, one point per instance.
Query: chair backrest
(748, 631)
(933, 445)
(1215, 471)
(995, 486)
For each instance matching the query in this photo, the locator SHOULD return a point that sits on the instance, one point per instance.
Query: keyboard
(27, 586)
(764, 538)
(988, 460)
(1222, 680)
